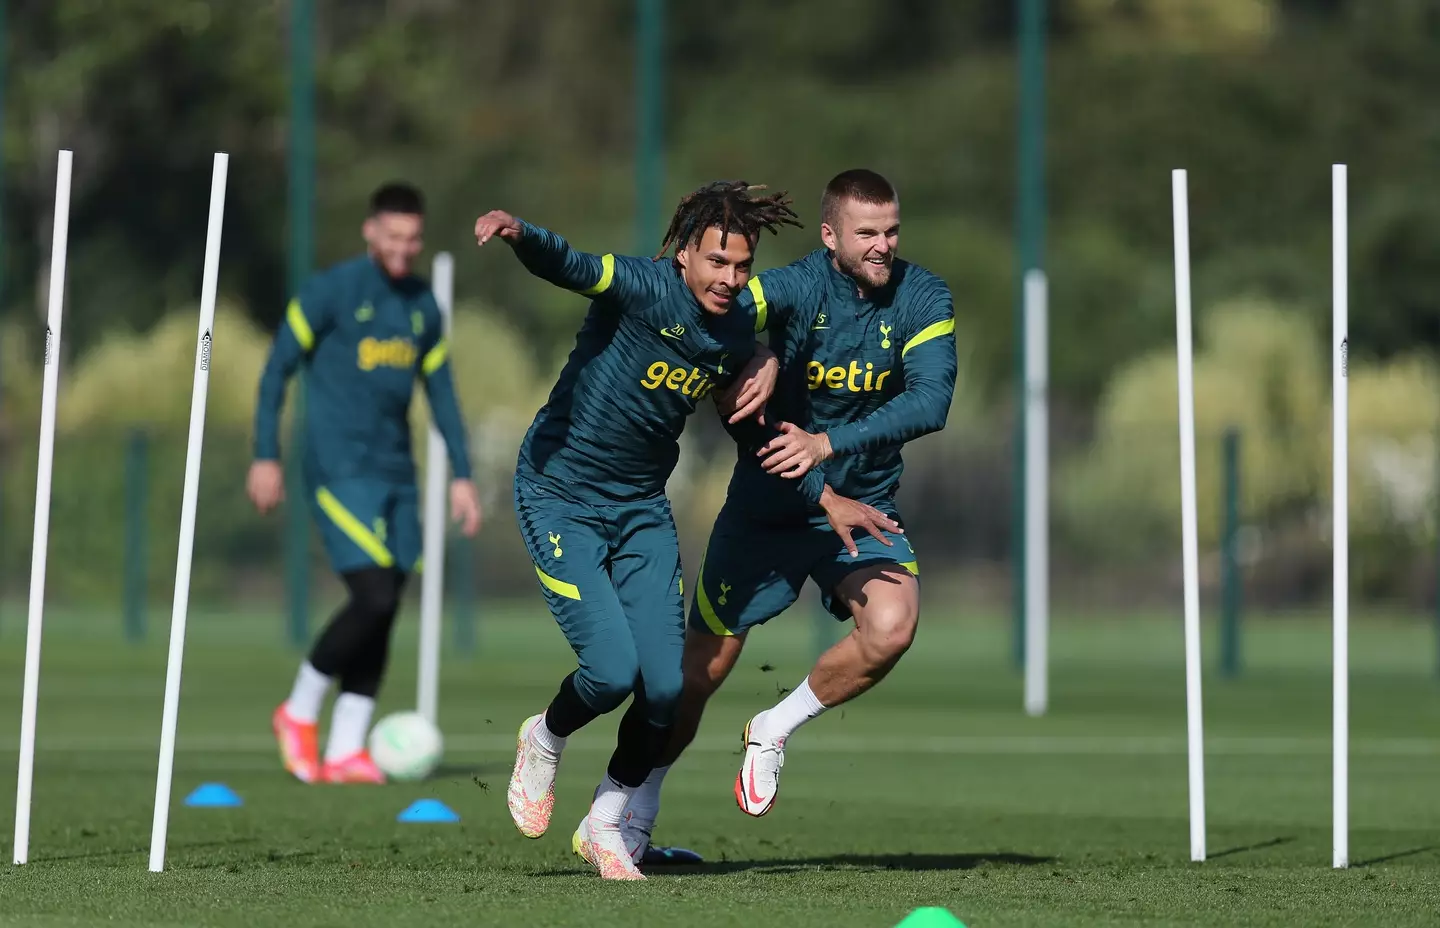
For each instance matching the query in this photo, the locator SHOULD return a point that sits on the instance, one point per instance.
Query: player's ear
(828, 237)
(682, 258)
(367, 230)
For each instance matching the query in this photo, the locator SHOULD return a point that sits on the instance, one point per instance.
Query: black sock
(568, 713)
(355, 646)
(638, 744)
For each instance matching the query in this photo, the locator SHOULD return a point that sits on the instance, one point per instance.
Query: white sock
(610, 802)
(349, 724)
(546, 739)
(645, 804)
(309, 692)
(799, 707)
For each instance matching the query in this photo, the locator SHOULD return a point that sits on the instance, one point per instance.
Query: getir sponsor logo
(690, 381)
(852, 378)
(390, 352)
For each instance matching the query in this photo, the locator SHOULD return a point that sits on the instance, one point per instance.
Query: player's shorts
(611, 576)
(368, 523)
(754, 571)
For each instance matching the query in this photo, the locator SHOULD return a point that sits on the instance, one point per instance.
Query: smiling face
(716, 274)
(864, 238)
(395, 240)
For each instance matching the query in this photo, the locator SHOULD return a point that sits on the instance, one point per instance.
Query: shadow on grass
(1259, 846)
(1398, 855)
(912, 863)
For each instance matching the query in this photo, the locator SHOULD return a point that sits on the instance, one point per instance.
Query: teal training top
(647, 354)
(362, 339)
(872, 372)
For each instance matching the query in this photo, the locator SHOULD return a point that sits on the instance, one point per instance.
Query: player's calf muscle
(709, 660)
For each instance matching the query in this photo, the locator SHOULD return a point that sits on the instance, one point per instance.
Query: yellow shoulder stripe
(762, 309)
(933, 330)
(707, 611)
(435, 357)
(295, 316)
(354, 529)
(560, 587)
(607, 277)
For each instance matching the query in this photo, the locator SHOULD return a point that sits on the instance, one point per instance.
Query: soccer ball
(406, 746)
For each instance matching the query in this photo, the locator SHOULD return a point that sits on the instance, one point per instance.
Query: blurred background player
(363, 330)
(867, 362)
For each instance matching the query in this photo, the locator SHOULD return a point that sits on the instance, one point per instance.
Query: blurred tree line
(529, 106)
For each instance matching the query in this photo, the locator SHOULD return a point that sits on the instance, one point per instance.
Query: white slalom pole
(1340, 517)
(1037, 496)
(187, 515)
(1195, 723)
(26, 779)
(432, 579)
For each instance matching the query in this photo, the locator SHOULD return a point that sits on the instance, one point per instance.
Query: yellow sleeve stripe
(707, 611)
(559, 587)
(913, 567)
(933, 330)
(607, 277)
(435, 357)
(762, 309)
(353, 528)
(300, 325)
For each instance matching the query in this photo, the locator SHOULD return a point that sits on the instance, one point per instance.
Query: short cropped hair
(859, 184)
(397, 197)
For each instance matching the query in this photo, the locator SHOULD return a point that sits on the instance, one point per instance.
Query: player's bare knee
(887, 630)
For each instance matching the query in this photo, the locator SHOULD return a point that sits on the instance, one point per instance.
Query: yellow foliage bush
(1262, 370)
(132, 380)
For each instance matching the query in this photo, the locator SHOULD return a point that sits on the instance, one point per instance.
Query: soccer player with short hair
(867, 363)
(363, 331)
(660, 335)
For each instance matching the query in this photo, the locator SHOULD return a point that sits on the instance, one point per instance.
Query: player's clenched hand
(845, 515)
(496, 222)
(753, 388)
(465, 506)
(794, 451)
(265, 485)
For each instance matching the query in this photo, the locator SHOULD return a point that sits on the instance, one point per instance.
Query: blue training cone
(427, 810)
(214, 795)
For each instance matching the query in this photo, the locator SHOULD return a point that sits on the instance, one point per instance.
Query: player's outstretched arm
(550, 257)
(435, 370)
(306, 322)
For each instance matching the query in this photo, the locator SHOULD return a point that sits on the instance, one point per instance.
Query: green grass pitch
(934, 789)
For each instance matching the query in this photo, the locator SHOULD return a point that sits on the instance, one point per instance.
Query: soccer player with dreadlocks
(660, 335)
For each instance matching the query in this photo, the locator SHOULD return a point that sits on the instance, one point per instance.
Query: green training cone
(931, 916)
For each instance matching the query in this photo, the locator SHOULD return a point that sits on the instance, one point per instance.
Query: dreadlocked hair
(730, 206)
